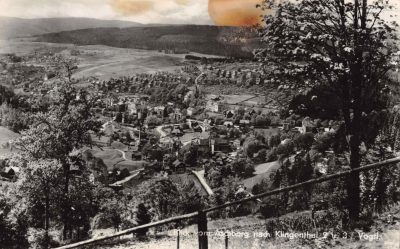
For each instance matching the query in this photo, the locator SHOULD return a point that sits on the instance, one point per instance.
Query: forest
(194, 38)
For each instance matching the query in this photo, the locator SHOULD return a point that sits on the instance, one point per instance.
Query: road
(200, 176)
(133, 174)
(159, 129)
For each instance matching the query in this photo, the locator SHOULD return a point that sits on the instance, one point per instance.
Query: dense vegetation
(345, 59)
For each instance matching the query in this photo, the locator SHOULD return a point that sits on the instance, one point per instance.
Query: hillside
(388, 235)
(205, 39)
(18, 27)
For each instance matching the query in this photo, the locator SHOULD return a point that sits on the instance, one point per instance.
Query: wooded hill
(225, 41)
(18, 27)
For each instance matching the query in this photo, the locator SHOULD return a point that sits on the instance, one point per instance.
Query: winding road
(123, 155)
(160, 130)
(133, 174)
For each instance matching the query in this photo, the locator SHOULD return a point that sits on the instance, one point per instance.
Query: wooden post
(178, 240)
(226, 240)
(202, 230)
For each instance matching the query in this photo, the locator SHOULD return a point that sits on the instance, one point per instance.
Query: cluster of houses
(139, 82)
(216, 75)
(31, 70)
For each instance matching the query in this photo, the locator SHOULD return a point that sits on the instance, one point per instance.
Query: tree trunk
(364, 14)
(353, 185)
(353, 180)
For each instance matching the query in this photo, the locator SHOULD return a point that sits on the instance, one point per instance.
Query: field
(263, 171)
(105, 62)
(119, 146)
(186, 179)
(5, 136)
(265, 167)
(234, 99)
(113, 159)
(254, 101)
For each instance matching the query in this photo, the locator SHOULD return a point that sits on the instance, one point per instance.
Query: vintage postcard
(199, 124)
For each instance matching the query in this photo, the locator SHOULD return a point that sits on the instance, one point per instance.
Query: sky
(219, 12)
(143, 11)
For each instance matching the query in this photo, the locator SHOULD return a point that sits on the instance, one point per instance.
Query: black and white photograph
(199, 124)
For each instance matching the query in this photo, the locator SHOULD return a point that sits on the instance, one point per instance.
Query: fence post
(202, 230)
(178, 240)
(226, 240)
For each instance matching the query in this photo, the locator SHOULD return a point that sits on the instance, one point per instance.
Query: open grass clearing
(265, 167)
(5, 136)
(131, 165)
(233, 99)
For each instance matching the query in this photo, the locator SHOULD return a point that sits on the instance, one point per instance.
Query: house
(9, 172)
(161, 111)
(288, 125)
(136, 155)
(219, 144)
(167, 142)
(191, 111)
(236, 143)
(203, 146)
(132, 107)
(176, 115)
(178, 165)
(212, 106)
(244, 122)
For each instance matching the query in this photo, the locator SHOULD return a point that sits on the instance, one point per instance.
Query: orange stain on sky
(128, 8)
(235, 12)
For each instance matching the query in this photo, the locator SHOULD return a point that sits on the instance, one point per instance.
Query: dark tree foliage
(314, 105)
(142, 217)
(343, 47)
(13, 225)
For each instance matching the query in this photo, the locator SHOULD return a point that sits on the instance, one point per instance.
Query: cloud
(128, 8)
(143, 11)
(168, 11)
(182, 2)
